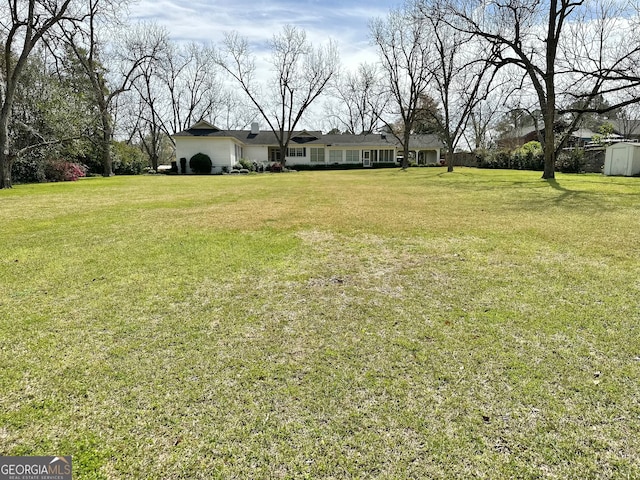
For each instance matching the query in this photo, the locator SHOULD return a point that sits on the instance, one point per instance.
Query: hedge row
(342, 166)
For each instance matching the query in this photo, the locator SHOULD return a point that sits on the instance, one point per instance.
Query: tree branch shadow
(568, 193)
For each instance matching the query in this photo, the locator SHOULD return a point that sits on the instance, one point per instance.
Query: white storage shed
(622, 159)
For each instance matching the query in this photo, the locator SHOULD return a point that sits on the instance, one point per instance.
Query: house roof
(304, 137)
(583, 133)
(626, 126)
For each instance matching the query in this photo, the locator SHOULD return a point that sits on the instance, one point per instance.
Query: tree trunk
(405, 146)
(105, 148)
(5, 170)
(549, 138)
(105, 154)
(405, 157)
(549, 159)
(549, 106)
(449, 156)
(5, 158)
(283, 155)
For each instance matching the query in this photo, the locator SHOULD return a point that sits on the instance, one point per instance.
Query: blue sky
(206, 21)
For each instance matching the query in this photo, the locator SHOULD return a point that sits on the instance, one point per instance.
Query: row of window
(317, 155)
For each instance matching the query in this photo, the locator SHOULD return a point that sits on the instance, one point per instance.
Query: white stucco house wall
(307, 148)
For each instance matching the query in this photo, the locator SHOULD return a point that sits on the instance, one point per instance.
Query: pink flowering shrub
(63, 171)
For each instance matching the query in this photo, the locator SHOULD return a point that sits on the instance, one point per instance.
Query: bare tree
(194, 90)
(561, 47)
(405, 56)
(462, 74)
(233, 111)
(138, 46)
(481, 119)
(485, 116)
(358, 99)
(23, 24)
(148, 116)
(301, 73)
(628, 121)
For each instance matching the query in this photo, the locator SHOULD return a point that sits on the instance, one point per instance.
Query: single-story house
(622, 159)
(308, 148)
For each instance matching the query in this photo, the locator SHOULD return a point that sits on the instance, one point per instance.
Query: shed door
(618, 161)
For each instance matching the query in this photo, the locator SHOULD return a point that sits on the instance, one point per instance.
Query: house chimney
(255, 129)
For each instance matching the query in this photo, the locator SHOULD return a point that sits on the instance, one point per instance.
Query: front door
(274, 154)
(366, 158)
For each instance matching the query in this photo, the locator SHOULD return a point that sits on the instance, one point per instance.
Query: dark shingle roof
(267, 137)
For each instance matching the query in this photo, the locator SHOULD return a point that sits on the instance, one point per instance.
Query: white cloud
(207, 21)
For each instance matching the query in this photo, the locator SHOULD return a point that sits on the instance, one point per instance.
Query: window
(317, 155)
(386, 156)
(335, 156)
(353, 156)
(296, 152)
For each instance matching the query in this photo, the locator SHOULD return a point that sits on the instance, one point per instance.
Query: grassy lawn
(361, 324)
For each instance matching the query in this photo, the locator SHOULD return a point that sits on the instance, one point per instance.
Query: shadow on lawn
(576, 198)
(532, 193)
(566, 193)
(480, 183)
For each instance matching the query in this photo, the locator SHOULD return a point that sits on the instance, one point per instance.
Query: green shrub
(496, 159)
(128, 160)
(384, 165)
(248, 164)
(571, 161)
(90, 157)
(529, 156)
(200, 163)
(343, 166)
(28, 170)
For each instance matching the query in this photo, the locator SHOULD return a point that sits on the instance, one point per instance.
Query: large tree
(50, 119)
(23, 25)
(561, 47)
(462, 74)
(301, 73)
(111, 66)
(405, 52)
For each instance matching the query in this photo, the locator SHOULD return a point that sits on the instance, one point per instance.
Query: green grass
(360, 324)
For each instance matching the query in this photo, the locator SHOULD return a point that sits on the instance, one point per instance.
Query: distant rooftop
(306, 137)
